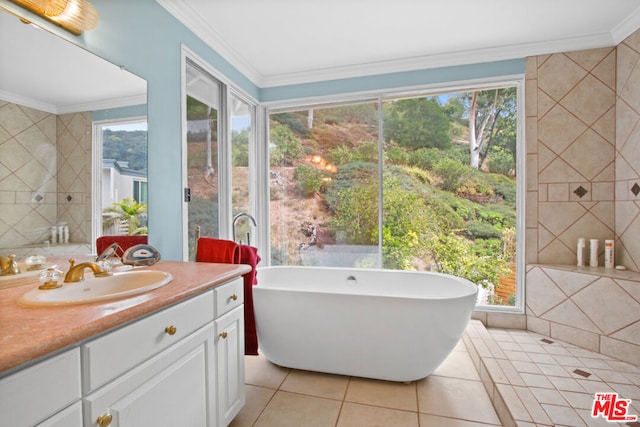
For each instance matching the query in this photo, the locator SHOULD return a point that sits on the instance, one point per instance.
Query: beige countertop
(27, 334)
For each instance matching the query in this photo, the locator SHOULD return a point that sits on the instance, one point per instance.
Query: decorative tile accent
(546, 341)
(580, 191)
(582, 373)
(635, 189)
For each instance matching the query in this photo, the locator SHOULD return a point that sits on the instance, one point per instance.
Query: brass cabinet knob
(223, 335)
(104, 420)
(234, 297)
(171, 330)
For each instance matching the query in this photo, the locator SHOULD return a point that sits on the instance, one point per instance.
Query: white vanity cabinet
(168, 369)
(47, 392)
(230, 352)
(180, 366)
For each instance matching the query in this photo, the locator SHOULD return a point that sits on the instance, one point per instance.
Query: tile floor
(535, 380)
(527, 381)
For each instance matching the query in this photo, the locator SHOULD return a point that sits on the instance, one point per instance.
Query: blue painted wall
(144, 38)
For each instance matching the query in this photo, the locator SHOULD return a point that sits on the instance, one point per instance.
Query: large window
(426, 181)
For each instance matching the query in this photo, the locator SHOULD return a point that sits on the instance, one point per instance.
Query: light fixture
(74, 16)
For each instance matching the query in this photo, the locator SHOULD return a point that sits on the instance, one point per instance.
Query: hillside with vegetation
(447, 207)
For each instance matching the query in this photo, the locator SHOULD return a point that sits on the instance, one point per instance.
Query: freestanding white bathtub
(383, 324)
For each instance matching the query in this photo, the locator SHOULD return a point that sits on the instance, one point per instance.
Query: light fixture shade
(74, 16)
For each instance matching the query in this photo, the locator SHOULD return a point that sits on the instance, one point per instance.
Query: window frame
(379, 96)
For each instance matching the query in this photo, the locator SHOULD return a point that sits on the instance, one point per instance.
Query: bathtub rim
(460, 280)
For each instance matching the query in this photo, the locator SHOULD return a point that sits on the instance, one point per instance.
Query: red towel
(226, 251)
(216, 250)
(125, 242)
(249, 255)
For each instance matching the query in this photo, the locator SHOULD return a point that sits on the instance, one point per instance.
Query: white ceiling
(279, 42)
(43, 71)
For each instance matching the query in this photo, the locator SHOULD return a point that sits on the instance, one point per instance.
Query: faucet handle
(72, 262)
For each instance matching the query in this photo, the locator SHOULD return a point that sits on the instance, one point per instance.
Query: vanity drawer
(39, 391)
(113, 354)
(229, 296)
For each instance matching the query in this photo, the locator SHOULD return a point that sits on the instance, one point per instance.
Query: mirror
(51, 92)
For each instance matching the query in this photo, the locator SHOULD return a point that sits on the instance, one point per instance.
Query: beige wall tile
(558, 75)
(538, 325)
(558, 192)
(506, 320)
(620, 350)
(579, 337)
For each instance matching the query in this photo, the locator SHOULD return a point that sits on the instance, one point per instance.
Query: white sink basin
(93, 289)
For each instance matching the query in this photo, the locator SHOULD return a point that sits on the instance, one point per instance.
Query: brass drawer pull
(223, 335)
(234, 297)
(171, 330)
(104, 420)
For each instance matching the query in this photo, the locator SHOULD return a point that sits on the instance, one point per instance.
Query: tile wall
(45, 175)
(583, 180)
(627, 193)
(571, 123)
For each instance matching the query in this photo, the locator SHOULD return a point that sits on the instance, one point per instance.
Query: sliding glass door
(203, 133)
(220, 158)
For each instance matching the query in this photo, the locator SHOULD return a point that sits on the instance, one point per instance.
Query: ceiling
(45, 72)
(279, 42)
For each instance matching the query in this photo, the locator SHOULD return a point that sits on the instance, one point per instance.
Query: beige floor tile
(296, 410)
(427, 420)
(563, 415)
(257, 399)
(456, 398)
(260, 372)
(458, 365)
(316, 384)
(357, 415)
(386, 394)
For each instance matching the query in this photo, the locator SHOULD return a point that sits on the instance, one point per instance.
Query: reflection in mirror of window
(124, 178)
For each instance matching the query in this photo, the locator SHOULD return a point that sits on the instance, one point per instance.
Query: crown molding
(28, 102)
(627, 27)
(201, 28)
(194, 22)
(73, 108)
(104, 104)
(441, 60)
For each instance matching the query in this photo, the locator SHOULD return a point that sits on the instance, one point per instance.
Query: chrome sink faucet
(76, 271)
(235, 220)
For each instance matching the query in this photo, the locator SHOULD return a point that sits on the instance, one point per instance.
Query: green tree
(288, 147)
(417, 123)
(404, 225)
(492, 118)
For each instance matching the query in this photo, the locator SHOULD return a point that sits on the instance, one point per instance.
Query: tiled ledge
(613, 273)
(536, 381)
(594, 308)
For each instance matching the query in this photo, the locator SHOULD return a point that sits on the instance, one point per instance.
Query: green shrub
(397, 156)
(310, 179)
(288, 147)
(453, 174)
(501, 161)
(482, 230)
